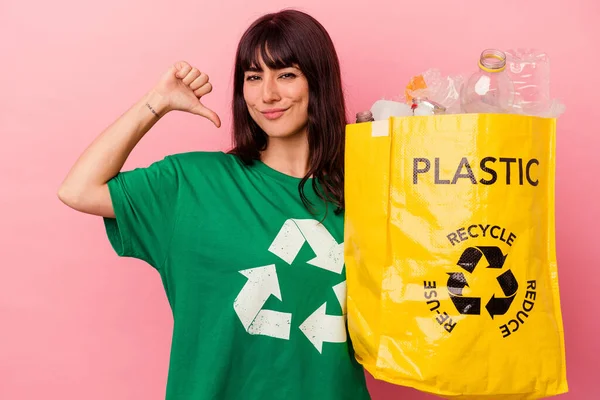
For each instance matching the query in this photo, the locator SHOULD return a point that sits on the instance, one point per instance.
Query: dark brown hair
(294, 38)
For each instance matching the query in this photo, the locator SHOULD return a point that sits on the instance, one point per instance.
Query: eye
(288, 75)
(251, 78)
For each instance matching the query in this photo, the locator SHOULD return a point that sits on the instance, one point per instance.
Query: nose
(270, 92)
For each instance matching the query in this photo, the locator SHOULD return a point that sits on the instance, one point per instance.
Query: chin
(281, 135)
(273, 132)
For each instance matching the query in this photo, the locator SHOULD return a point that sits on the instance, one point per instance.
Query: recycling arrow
(500, 305)
(262, 283)
(508, 283)
(467, 305)
(320, 327)
(464, 305)
(456, 283)
(494, 256)
(471, 256)
(340, 291)
(271, 323)
(295, 232)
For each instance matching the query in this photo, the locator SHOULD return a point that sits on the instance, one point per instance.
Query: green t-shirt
(256, 284)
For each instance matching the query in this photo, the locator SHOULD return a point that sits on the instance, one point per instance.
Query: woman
(249, 244)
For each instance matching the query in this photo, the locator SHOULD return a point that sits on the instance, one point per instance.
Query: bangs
(268, 43)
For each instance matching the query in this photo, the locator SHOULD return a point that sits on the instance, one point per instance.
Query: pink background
(76, 322)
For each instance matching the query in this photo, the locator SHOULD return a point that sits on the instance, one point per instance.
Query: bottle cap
(364, 116)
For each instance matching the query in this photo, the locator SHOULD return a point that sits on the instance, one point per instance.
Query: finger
(182, 69)
(193, 74)
(199, 81)
(204, 90)
(200, 109)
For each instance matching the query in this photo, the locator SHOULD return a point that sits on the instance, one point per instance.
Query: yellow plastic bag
(450, 254)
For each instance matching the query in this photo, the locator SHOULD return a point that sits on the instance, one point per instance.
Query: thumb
(207, 113)
(180, 69)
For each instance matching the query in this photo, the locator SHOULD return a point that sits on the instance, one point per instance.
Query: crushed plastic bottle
(441, 89)
(529, 70)
(423, 107)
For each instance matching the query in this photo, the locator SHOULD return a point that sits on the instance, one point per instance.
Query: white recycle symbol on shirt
(262, 283)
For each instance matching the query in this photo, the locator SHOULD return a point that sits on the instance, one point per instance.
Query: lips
(273, 113)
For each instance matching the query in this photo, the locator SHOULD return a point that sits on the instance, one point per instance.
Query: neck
(287, 155)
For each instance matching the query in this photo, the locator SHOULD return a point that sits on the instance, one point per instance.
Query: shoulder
(178, 172)
(178, 164)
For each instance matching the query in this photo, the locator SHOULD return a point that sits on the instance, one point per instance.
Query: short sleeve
(144, 201)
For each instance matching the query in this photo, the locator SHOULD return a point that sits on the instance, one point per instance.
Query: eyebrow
(259, 69)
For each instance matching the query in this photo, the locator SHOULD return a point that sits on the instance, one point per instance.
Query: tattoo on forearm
(153, 111)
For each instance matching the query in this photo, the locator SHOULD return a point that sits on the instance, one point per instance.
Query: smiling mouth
(274, 113)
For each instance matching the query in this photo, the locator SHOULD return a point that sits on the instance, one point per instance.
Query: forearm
(105, 156)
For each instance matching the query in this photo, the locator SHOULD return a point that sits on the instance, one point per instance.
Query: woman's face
(277, 100)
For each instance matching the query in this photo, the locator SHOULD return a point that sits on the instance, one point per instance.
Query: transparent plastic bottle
(489, 90)
(529, 71)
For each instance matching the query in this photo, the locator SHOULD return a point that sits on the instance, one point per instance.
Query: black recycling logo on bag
(509, 304)
(471, 259)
